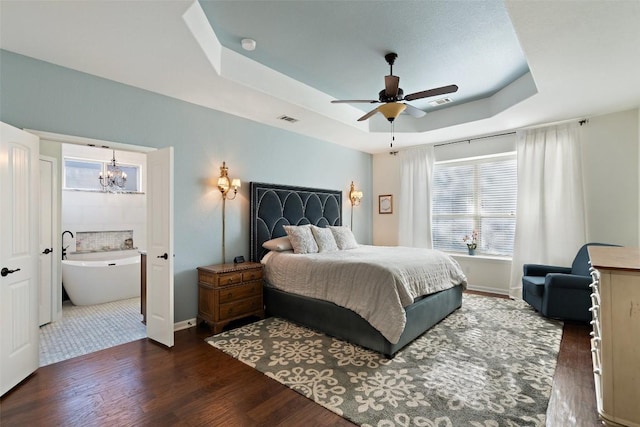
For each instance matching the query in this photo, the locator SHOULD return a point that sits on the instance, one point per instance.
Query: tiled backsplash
(91, 241)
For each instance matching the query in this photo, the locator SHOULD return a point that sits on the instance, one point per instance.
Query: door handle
(5, 271)
(165, 256)
(47, 251)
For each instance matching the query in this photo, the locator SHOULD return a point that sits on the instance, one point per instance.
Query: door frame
(68, 139)
(56, 272)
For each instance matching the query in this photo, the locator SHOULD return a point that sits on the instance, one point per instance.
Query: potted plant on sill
(472, 242)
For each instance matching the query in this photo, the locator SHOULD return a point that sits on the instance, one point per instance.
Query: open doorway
(99, 252)
(20, 178)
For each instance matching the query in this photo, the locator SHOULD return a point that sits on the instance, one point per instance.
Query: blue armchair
(560, 292)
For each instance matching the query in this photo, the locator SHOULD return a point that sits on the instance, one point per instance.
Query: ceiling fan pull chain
(393, 136)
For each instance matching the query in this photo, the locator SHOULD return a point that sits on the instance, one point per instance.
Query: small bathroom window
(133, 181)
(80, 174)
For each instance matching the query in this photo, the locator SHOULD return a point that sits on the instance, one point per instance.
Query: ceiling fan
(391, 96)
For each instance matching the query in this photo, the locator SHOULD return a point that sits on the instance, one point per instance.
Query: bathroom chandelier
(116, 179)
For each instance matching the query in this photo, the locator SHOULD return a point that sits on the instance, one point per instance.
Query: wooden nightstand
(228, 292)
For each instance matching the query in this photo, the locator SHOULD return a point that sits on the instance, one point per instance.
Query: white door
(19, 221)
(47, 260)
(160, 246)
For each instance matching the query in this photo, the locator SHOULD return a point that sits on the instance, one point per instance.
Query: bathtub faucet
(64, 248)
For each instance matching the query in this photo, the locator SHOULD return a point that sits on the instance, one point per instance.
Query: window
(83, 175)
(133, 183)
(475, 194)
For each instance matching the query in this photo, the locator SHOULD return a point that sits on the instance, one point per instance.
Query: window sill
(101, 191)
(481, 256)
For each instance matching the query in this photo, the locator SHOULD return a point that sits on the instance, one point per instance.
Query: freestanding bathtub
(96, 281)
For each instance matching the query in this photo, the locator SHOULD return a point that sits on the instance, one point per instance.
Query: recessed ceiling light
(248, 44)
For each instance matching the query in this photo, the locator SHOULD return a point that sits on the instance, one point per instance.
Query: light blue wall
(42, 96)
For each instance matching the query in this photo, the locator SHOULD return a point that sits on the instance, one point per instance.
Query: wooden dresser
(615, 343)
(228, 292)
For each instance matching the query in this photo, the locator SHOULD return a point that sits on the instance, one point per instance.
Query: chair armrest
(567, 281)
(543, 270)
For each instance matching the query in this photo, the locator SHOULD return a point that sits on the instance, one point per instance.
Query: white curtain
(550, 218)
(414, 207)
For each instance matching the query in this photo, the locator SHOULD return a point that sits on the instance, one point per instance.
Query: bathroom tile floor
(85, 329)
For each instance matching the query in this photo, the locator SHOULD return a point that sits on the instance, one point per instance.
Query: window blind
(478, 194)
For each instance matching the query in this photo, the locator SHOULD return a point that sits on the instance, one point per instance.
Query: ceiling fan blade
(354, 101)
(414, 112)
(431, 92)
(391, 84)
(369, 114)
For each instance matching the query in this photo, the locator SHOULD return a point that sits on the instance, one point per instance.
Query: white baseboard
(185, 324)
(499, 291)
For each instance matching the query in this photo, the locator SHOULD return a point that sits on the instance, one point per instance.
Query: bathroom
(104, 233)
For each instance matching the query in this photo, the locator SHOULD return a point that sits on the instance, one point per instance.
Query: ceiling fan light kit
(392, 110)
(392, 95)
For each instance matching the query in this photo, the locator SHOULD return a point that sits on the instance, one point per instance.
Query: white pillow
(278, 244)
(324, 239)
(301, 239)
(344, 238)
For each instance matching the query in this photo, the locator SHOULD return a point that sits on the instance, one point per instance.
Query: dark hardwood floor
(142, 383)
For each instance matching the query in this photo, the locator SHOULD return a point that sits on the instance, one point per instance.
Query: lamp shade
(392, 110)
(354, 195)
(223, 183)
(235, 183)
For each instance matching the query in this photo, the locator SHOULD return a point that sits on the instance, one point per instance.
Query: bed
(272, 207)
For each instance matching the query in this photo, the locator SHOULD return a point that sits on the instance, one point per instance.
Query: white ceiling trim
(204, 35)
(583, 56)
(256, 76)
(309, 102)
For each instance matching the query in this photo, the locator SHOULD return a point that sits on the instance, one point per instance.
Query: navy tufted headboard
(273, 206)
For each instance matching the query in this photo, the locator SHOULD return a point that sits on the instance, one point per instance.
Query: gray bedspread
(376, 282)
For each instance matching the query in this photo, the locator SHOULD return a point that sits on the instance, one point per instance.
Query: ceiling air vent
(441, 101)
(288, 119)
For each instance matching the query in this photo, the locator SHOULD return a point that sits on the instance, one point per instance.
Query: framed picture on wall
(385, 204)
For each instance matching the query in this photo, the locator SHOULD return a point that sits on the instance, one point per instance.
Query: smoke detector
(248, 44)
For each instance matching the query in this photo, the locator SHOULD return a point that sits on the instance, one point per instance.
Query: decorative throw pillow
(278, 244)
(344, 238)
(324, 239)
(301, 239)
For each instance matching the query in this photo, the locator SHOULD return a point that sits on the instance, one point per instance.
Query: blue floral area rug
(488, 364)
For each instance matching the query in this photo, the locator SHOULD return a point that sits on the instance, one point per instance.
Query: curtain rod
(394, 152)
(581, 122)
(473, 139)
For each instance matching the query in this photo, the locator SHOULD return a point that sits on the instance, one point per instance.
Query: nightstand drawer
(250, 275)
(233, 293)
(216, 280)
(240, 308)
(229, 278)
